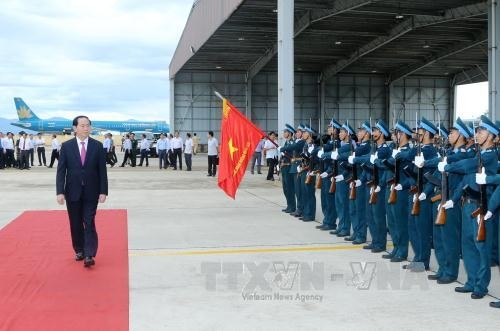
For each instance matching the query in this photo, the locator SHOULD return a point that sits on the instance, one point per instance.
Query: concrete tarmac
(201, 261)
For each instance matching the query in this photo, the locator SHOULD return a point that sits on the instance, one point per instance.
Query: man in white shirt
(31, 151)
(177, 147)
(170, 150)
(24, 149)
(188, 151)
(213, 153)
(8, 150)
(127, 147)
(144, 150)
(40, 150)
(55, 150)
(271, 153)
(108, 145)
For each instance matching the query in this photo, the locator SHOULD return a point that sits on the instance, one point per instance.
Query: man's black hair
(75, 120)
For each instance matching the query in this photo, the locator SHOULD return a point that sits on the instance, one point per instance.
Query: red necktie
(83, 153)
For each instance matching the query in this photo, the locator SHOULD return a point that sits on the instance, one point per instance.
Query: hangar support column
(493, 58)
(285, 63)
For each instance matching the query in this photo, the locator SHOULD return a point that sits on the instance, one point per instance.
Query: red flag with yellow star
(239, 138)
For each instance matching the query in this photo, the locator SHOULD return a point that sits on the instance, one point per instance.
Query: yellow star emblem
(232, 149)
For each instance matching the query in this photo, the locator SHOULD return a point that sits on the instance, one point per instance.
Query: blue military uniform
(422, 225)
(400, 214)
(287, 177)
(310, 162)
(476, 254)
(295, 149)
(361, 216)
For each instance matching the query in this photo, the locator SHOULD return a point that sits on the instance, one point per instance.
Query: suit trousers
(189, 161)
(82, 224)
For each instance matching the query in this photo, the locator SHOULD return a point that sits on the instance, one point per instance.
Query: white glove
(377, 189)
(395, 152)
(335, 155)
(279, 149)
(448, 204)
(371, 190)
(310, 149)
(419, 161)
(414, 198)
(350, 159)
(282, 154)
(441, 166)
(422, 196)
(339, 178)
(324, 175)
(320, 153)
(309, 173)
(398, 187)
(488, 215)
(299, 169)
(373, 158)
(481, 178)
(358, 183)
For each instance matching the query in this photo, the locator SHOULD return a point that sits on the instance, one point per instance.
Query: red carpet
(42, 287)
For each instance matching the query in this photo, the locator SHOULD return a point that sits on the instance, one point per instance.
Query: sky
(104, 58)
(472, 100)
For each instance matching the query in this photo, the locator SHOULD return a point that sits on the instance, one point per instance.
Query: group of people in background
(427, 187)
(20, 153)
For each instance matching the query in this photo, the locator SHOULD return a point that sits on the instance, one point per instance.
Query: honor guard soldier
(493, 205)
(398, 197)
(287, 178)
(295, 149)
(309, 162)
(477, 233)
(420, 228)
(327, 195)
(340, 157)
(447, 225)
(360, 215)
(377, 196)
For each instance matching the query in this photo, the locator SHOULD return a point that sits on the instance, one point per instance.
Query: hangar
(283, 61)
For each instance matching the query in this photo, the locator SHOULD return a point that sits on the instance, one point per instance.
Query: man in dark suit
(82, 181)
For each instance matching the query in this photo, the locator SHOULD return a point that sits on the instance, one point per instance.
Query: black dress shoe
(378, 250)
(342, 234)
(320, 227)
(368, 246)
(358, 242)
(349, 239)
(387, 256)
(327, 228)
(477, 295)
(89, 261)
(333, 232)
(495, 304)
(79, 256)
(433, 277)
(304, 219)
(445, 280)
(462, 289)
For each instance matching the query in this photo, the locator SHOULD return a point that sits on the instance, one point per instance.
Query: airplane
(28, 120)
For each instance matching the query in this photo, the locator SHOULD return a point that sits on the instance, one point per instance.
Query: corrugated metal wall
(347, 97)
(423, 96)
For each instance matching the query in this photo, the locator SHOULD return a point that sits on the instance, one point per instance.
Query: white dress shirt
(271, 151)
(144, 144)
(7, 143)
(177, 142)
(39, 142)
(189, 146)
(24, 144)
(127, 144)
(55, 144)
(212, 146)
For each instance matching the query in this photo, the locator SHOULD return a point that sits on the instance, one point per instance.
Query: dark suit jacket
(77, 181)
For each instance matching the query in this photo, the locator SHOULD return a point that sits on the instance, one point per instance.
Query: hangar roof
(396, 38)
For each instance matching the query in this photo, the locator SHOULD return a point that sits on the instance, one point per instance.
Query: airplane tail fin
(23, 111)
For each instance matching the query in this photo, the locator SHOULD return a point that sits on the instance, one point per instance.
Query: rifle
(417, 189)
(483, 200)
(393, 195)
(354, 177)
(374, 182)
(441, 215)
(333, 185)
